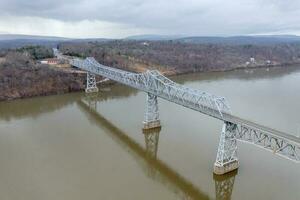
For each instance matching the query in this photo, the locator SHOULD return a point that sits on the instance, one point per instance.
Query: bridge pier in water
(151, 118)
(227, 160)
(91, 84)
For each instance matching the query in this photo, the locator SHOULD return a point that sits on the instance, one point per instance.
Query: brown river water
(57, 148)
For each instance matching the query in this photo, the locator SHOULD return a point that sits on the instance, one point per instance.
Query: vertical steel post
(227, 151)
(151, 118)
(91, 85)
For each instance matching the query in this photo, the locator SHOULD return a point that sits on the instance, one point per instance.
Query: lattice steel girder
(227, 149)
(276, 144)
(91, 84)
(155, 83)
(151, 113)
(151, 118)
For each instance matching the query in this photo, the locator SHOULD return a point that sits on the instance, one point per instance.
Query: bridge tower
(91, 84)
(151, 118)
(224, 185)
(227, 160)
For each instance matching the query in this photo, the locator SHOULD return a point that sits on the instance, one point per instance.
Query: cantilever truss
(158, 85)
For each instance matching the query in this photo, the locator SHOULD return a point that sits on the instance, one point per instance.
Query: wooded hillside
(22, 76)
(173, 57)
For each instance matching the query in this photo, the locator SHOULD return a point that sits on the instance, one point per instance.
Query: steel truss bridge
(234, 128)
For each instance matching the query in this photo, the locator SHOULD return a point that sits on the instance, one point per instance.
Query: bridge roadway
(154, 83)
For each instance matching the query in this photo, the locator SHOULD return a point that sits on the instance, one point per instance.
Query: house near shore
(51, 61)
(251, 61)
(268, 62)
(145, 44)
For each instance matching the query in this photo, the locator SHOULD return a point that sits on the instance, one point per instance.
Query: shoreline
(169, 75)
(234, 69)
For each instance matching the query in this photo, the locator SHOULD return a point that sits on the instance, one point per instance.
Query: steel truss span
(234, 128)
(274, 143)
(156, 84)
(153, 82)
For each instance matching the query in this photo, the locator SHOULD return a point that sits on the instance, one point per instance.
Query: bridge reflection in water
(224, 185)
(146, 156)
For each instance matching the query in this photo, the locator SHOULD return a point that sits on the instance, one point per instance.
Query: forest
(173, 57)
(22, 76)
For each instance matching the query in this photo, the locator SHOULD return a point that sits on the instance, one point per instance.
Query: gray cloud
(190, 17)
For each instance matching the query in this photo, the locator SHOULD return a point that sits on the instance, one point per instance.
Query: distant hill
(242, 40)
(11, 44)
(8, 41)
(16, 41)
(29, 37)
(153, 37)
(233, 40)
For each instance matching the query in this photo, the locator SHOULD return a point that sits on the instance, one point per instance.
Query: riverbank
(22, 75)
(282, 66)
(48, 80)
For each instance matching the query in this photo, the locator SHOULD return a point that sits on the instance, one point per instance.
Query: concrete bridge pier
(151, 118)
(91, 84)
(227, 160)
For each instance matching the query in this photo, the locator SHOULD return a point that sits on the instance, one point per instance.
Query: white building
(50, 61)
(145, 43)
(252, 60)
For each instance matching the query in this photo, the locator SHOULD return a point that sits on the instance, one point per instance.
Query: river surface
(59, 148)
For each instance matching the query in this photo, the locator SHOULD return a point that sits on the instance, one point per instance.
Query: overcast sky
(121, 18)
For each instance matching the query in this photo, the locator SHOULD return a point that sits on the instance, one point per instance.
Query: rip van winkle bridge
(234, 128)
